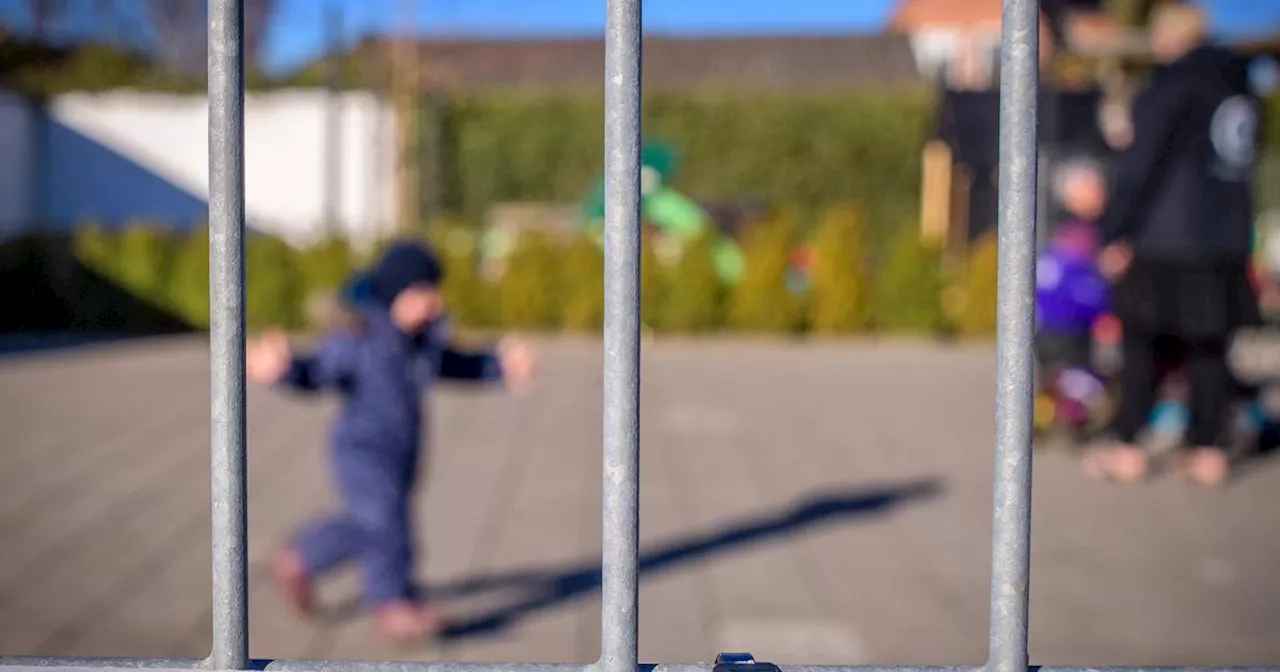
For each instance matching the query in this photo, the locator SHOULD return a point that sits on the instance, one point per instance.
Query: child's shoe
(291, 577)
(1073, 413)
(1250, 422)
(1079, 395)
(1253, 418)
(406, 621)
(1168, 423)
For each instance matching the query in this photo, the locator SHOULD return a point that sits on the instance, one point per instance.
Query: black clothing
(1205, 365)
(1183, 190)
(1193, 302)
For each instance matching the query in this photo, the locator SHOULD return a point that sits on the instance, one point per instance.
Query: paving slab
(820, 503)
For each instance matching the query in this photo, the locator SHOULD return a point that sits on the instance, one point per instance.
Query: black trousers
(1147, 357)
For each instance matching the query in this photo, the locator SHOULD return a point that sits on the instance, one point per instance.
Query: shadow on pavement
(33, 343)
(546, 588)
(53, 301)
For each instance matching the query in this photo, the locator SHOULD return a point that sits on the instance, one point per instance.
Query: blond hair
(1179, 22)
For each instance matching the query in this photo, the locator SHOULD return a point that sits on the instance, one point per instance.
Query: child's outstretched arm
(473, 365)
(330, 365)
(510, 362)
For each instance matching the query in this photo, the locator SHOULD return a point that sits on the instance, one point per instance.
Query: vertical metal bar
(621, 336)
(226, 339)
(1011, 516)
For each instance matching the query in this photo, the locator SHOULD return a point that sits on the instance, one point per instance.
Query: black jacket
(1182, 193)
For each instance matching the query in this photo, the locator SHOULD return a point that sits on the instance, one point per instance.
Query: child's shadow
(546, 588)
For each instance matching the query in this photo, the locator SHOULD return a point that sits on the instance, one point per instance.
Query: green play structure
(676, 217)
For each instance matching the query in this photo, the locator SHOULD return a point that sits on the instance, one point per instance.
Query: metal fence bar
(41, 664)
(227, 333)
(1011, 514)
(1012, 500)
(620, 593)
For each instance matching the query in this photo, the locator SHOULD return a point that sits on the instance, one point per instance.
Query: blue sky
(299, 32)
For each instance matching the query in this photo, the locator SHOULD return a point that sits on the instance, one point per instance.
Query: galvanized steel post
(620, 597)
(227, 334)
(1011, 517)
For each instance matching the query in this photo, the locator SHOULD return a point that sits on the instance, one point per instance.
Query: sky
(298, 34)
(301, 26)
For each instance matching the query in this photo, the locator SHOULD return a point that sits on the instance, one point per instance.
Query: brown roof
(913, 14)
(817, 62)
(1087, 29)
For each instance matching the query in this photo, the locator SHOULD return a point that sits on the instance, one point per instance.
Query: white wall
(17, 156)
(934, 48)
(937, 47)
(125, 155)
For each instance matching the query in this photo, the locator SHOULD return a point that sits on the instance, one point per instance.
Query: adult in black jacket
(1179, 226)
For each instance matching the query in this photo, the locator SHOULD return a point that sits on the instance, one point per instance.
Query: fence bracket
(741, 662)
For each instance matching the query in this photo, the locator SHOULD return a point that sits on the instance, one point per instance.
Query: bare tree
(257, 20)
(179, 29)
(181, 40)
(44, 15)
(173, 32)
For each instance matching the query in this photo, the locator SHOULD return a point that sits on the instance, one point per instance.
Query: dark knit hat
(403, 264)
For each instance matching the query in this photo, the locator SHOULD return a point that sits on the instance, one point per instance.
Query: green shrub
(326, 264)
(96, 248)
(762, 302)
(976, 298)
(652, 281)
(527, 292)
(189, 287)
(582, 286)
(466, 294)
(692, 292)
(807, 150)
(909, 287)
(840, 302)
(144, 261)
(275, 289)
(549, 281)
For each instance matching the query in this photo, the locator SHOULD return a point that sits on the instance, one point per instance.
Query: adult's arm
(1140, 170)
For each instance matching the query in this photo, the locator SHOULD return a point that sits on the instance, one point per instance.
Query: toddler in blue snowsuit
(383, 368)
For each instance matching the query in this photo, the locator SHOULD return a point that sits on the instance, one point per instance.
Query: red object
(1107, 330)
(802, 257)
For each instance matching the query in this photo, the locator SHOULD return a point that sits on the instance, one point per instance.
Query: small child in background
(382, 365)
(1071, 294)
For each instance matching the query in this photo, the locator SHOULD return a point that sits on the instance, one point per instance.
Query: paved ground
(819, 504)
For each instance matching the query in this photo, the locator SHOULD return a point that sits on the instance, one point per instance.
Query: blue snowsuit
(383, 375)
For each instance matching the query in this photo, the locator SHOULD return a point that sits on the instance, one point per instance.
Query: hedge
(810, 151)
(549, 283)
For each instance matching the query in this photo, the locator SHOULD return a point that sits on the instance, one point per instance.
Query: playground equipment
(674, 217)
